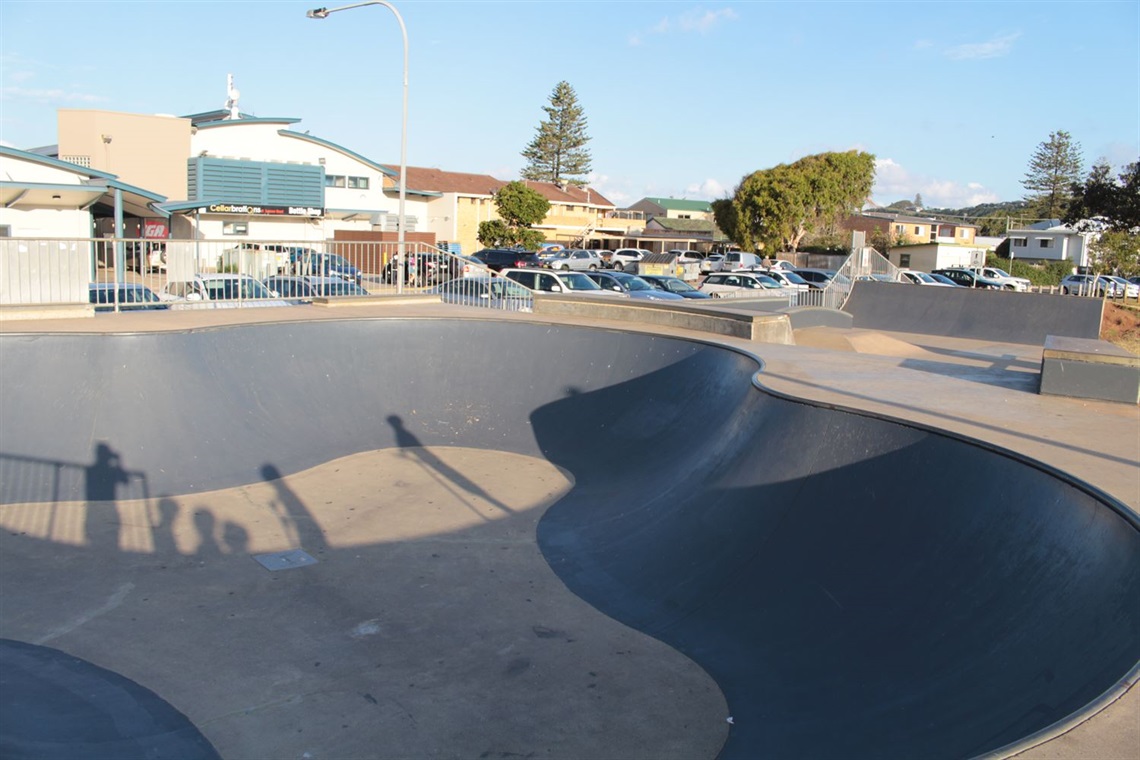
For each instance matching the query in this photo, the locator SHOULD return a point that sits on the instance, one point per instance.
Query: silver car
(576, 259)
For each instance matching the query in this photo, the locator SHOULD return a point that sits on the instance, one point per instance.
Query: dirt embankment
(1121, 325)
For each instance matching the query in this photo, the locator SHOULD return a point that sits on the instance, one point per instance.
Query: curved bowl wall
(856, 586)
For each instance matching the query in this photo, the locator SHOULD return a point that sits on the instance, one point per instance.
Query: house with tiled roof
(465, 200)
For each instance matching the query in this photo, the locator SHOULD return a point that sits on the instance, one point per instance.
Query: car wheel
(618, 266)
(593, 267)
(565, 267)
(1010, 287)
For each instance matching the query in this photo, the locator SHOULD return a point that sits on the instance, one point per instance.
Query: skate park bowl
(855, 586)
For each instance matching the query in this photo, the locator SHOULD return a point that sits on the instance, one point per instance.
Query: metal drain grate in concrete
(286, 560)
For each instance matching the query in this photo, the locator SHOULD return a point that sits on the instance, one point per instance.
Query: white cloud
(697, 20)
(975, 51)
(893, 182)
(709, 190)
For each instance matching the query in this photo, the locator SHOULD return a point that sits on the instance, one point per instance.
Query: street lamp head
(318, 13)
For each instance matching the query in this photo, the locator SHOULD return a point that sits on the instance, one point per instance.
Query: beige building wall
(149, 152)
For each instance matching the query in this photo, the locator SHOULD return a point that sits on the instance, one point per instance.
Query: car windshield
(998, 272)
(635, 283)
(766, 281)
(578, 281)
(924, 277)
(674, 285)
(794, 278)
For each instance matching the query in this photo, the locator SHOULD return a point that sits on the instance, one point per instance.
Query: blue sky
(683, 99)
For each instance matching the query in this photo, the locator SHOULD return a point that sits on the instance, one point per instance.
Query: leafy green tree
(1115, 202)
(519, 209)
(1117, 251)
(557, 153)
(777, 207)
(1054, 168)
(918, 201)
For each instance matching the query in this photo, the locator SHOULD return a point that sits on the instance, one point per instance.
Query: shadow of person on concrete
(412, 447)
(297, 522)
(102, 479)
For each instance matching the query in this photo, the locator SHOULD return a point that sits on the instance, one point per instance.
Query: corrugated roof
(682, 225)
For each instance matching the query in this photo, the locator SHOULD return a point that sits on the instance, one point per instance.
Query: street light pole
(400, 252)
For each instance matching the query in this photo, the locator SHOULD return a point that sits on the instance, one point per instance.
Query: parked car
(969, 279)
(1089, 284)
(130, 296)
(741, 260)
(1008, 281)
(687, 256)
(785, 266)
(222, 288)
(788, 279)
(714, 262)
(307, 262)
(554, 281)
(819, 279)
(623, 258)
(289, 286)
(1125, 289)
(915, 277)
(631, 285)
(735, 283)
(674, 285)
(944, 280)
(488, 291)
(576, 259)
(146, 255)
(497, 259)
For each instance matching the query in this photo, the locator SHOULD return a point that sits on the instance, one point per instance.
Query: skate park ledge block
(764, 327)
(1089, 368)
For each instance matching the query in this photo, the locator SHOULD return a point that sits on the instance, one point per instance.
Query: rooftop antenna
(232, 95)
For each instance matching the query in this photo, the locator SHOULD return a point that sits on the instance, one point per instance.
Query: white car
(623, 258)
(915, 277)
(788, 279)
(722, 284)
(1124, 287)
(547, 281)
(1008, 281)
(222, 289)
(714, 262)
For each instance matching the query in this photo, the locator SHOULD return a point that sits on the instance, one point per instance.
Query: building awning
(38, 195)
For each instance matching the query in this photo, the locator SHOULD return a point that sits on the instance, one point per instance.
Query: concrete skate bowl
(855, 586)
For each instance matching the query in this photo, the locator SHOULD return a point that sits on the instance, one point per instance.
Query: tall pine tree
(557, 153)
(1053, 169)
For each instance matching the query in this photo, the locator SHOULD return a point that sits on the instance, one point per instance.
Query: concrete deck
(537, 651)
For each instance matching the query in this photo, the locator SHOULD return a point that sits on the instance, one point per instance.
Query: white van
(740, 260)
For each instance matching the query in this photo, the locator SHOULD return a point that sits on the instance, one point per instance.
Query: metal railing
(128, 274)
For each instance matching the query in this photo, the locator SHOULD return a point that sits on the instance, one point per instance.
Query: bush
(1043, 275)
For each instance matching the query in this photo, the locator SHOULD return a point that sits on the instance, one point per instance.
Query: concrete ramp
(856, 587)
(996, 315)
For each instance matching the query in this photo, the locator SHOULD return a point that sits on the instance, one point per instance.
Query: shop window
(235, 228)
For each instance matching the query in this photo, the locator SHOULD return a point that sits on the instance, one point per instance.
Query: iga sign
(252, 210)
(155, 229)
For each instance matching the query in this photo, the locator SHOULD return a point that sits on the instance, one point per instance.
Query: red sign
(155, 229)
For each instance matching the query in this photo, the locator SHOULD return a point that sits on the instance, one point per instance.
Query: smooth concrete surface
(872, 589)
(999, 315)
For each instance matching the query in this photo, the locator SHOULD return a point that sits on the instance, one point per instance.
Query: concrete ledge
(1088, 368)
(21, 312)
(762, 327)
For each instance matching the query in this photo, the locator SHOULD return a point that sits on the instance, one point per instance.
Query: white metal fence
(128, 274)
